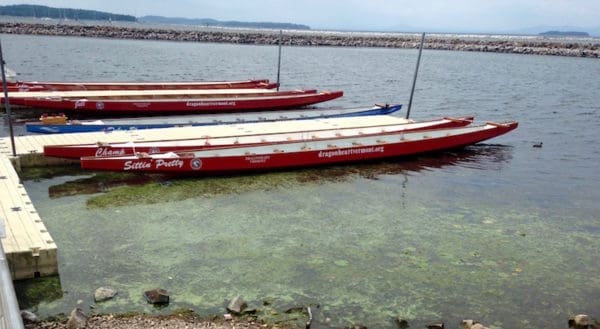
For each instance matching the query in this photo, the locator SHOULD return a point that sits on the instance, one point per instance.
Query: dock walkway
(29, 248)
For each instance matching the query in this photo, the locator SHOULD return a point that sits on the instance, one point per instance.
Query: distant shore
(499, 44)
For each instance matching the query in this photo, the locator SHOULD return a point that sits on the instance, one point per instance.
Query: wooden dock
(29, 248)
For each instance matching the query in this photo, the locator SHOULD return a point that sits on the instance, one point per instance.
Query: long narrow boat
(98, 95)
(302, 153)
(75, 85)
(84, 106)
(122, 149)
(81, 126)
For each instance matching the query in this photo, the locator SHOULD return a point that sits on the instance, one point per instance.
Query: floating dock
(29, 248)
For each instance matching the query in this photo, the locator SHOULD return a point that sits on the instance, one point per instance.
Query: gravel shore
(150, 321)
(531, 45)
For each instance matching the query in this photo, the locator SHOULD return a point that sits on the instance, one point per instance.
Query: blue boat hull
(83, 128)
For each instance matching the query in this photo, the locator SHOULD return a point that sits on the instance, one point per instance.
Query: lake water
(500, 232)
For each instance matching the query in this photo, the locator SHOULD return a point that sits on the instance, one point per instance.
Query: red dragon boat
(77, 151)
(75, 85)
(208, 103)
(303, 153)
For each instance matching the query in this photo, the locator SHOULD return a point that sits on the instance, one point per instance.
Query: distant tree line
(214, 22)
(61, 13)
(565, 34)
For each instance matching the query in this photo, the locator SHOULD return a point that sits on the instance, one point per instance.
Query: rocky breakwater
(587, 47)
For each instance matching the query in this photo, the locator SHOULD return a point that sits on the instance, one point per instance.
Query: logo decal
(196, 164)
(100, 105)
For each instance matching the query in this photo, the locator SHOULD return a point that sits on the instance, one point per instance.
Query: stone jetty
(531, 45)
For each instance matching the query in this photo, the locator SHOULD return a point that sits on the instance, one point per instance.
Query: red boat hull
(209, 162)
(283, 100)
(123, 149)
(72, 86)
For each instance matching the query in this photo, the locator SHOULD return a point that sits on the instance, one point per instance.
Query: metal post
(412, 91)
(7, 103)
(279, 58)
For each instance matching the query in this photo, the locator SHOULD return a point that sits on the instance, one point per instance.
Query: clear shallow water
(503, 232)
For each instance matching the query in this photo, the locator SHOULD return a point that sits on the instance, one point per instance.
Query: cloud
(467, 15)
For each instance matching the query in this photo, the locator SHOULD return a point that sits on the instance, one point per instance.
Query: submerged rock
(438, 325)
(104, 293)
(157, 296)
(77, 319)
(237, 305)
(401, 323)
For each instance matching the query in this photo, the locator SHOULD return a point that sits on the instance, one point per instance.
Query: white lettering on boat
(80, 103)
(175, 163)
(141, 105)
(352, 151)
(109, 152)
(258, 158)
(137, 165)
(202, 104)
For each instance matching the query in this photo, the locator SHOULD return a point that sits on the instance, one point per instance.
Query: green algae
(38, 173)
(364, 245)
(169, 189)
(32, 292)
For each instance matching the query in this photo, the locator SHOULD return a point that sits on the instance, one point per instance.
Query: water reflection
(149, 187)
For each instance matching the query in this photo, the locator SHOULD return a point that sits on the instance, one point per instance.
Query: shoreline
(529, 45)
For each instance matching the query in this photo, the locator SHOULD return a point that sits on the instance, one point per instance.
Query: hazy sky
(428, 15)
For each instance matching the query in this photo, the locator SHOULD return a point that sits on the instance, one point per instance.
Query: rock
(478, 326)
(29, 317)
(104, 293)
(157, 296)
(580, 321)
(401, 323)
(466, 324)
(237, 305)
(77, 319)
(439, 325)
